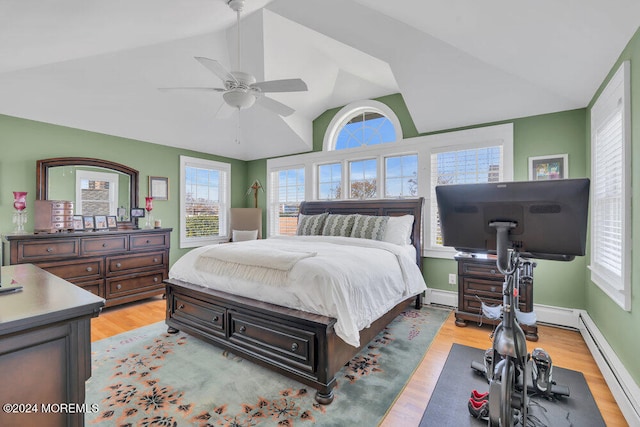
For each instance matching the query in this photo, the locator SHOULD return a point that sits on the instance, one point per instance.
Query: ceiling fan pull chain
(238, 128)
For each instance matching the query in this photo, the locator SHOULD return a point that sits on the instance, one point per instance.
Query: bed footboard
(299, 345)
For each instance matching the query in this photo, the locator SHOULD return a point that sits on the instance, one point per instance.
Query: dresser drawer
(37, 250)
(104, 244)
(261, 336)
(96, 287)
(127, 285)
(125, 263)
(199, 314)
(76, 270)
(149, 241)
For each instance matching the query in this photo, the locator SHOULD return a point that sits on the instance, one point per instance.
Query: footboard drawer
(293, 346)
(199, 314)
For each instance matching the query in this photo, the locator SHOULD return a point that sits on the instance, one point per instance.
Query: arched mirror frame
(42, 176)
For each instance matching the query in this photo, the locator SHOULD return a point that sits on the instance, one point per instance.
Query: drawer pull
(118, 265)
(118, 286)
(49, 250)
(493, 289)
(493, 272)
(215, 318)
(243, 329)
(104, 245)
(155, 279)
(148, 241)
(89, 269)
(156, 260)
(181, 306)
(294, 347)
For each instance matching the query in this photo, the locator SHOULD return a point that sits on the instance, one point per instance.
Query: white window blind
(469, 166)
(610, 191)
(288, 192)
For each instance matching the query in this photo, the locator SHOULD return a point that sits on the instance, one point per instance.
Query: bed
(299, 335)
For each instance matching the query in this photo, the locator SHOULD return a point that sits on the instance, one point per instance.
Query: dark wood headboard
(376, 207)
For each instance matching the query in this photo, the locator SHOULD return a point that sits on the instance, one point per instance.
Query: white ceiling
(96, 65)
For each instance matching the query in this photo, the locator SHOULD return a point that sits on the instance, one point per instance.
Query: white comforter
(353, 280)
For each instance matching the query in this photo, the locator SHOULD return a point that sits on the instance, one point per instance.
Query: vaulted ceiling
(97, 65)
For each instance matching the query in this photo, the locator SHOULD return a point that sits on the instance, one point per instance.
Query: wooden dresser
(45, 349)
(480, 281)
(119, 266)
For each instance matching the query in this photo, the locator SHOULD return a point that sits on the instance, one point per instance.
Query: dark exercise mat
(448, 404)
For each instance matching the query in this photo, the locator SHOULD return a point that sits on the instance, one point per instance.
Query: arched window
(361, 124)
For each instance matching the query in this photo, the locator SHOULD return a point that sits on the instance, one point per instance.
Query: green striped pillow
(369, 227)
(338, 225)
(310, 225)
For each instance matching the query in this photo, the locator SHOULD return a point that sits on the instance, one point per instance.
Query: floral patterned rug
(147, 377)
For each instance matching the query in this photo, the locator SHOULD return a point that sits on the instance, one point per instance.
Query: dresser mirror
(95, 186)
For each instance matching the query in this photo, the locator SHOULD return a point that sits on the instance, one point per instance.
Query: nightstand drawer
(484, 270)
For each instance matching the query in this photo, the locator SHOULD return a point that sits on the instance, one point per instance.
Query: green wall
(23, 142)
(622, 328)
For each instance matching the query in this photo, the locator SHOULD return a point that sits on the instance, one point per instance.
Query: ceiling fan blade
(216, 68)
(275, 106)
(199, 89)
(284, 85)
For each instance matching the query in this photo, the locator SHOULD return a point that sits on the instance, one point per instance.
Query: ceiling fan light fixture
(239, 99)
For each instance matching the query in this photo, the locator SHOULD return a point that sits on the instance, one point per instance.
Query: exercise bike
(508, 372)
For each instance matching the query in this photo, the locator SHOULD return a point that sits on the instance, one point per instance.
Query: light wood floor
(566, 347)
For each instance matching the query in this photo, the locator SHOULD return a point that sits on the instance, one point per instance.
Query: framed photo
(78, 223)
(544, 168)
(100, 222)
(137, 213)
(89, 223)
(159, 188)
(112, 221)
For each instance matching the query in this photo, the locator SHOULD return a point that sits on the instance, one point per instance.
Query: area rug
(448, 404)
(147, 377)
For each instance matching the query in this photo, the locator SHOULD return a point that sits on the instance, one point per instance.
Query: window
(610, 262)
(465, 166)
(288, 192)
(401, 169)
(204, 201)
(330, 181)
(401, 176)
(96, 193)
(362, 124)
(363, 181)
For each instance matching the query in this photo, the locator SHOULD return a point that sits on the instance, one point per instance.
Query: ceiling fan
(241, 89)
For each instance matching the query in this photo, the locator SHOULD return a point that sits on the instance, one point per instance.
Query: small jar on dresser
(117, 265)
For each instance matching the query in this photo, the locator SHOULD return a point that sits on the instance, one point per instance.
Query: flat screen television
(550, 217)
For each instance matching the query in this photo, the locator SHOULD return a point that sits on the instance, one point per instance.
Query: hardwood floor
(566, 347)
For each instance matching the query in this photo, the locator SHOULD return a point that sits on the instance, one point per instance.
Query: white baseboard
(623, 387)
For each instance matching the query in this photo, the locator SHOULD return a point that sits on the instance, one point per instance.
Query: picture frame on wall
(545, 168)
(159, 187)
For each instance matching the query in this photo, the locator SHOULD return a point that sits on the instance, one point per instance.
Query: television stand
(479, 279)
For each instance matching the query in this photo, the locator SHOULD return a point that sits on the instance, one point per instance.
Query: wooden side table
(45, 348)
(480, 281)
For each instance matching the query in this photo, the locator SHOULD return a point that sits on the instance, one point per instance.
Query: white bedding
(353, 280)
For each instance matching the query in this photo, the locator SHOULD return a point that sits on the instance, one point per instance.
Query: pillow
(243, 235)
(399, 230)
(310, 225)
(369, 227)
(338, 225)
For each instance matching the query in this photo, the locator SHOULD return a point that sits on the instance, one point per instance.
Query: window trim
(348, 112)
(225, 204)
(422, 146)
(619, 87)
